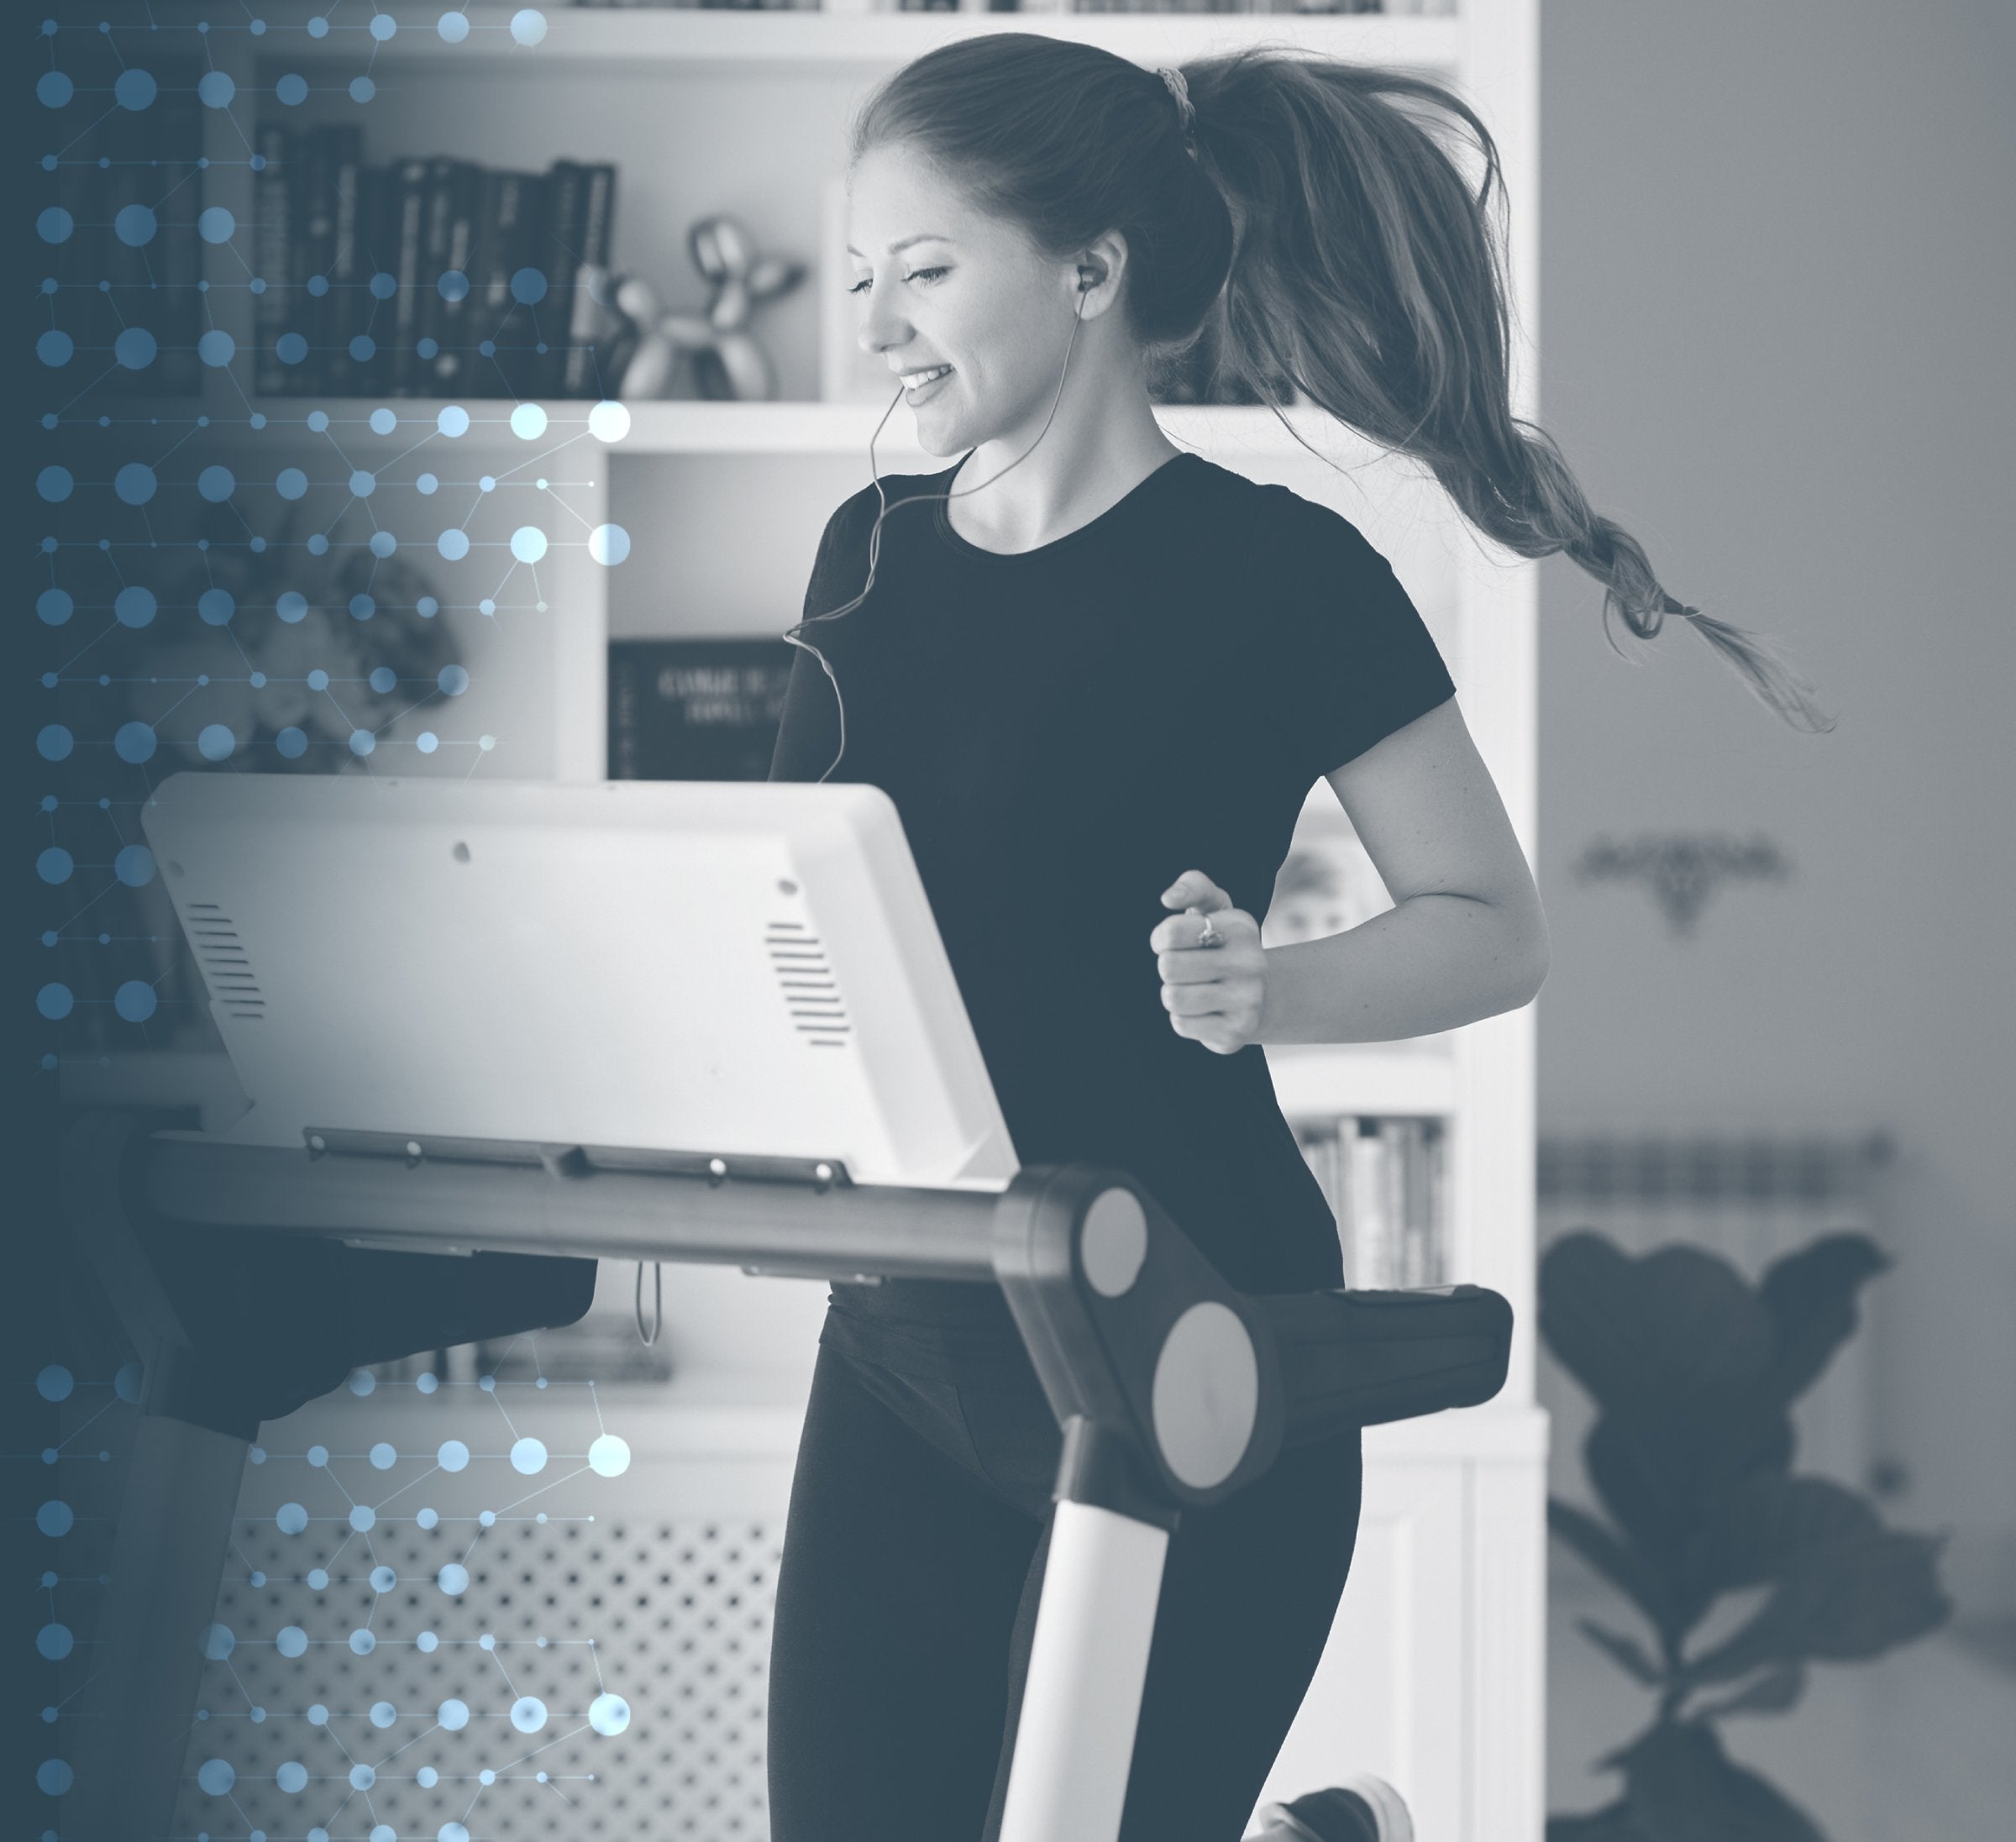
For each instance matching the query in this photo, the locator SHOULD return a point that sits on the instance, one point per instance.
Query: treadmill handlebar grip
(1361, 1358)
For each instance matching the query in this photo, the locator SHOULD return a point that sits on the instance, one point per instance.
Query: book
(1386, 1181)
(591, 323)
(274, 189)
(696, 709)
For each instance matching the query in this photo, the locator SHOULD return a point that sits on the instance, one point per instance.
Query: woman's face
(967, 293)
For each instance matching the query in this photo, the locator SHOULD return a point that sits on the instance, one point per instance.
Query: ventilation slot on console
(227, 968)
(810, 992)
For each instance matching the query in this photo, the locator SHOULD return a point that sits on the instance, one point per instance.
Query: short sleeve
(808, 734)
(1355, 660)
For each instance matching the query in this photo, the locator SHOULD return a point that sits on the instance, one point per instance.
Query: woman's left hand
(1214, 994)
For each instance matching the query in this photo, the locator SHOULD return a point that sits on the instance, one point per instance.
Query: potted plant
(1694, 1371)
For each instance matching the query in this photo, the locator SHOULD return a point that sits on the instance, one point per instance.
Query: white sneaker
(1363, 1808)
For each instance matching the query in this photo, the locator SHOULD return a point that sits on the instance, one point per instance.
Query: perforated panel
(673, 1615)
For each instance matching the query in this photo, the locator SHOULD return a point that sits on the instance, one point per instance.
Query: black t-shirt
(1064, 731)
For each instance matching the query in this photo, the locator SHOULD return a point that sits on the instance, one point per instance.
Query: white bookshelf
(1435, 1674)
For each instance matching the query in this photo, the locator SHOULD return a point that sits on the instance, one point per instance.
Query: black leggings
(906, 1597)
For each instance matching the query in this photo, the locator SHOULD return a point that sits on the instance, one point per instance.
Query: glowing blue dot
(528, 1456)
(135, 482)
(453, 420)
(452, 544)
(384, 285)
(609, 544)
(290, 1518)
(55, 484)
(452, 1715)
(317, 1714)
(362, 742)
(126, 1384)
(487, 742)
(528, 543)
(426, 1381)
(453, 680)
(291, 483)
(216, 484)
(317, 679)
(488, 483)
(55, 1641)
(215, 89)
(451, 1832)
(609, 1457)
(135, 606)
(214, 742)
(384, 680)
(292, 606)
(135, 225)
(528, 1713)
(362, 607)
(135, 349)
(135, 741)
(291, 90)
(362, 89)
(217, 348)
(383, 544)
(363, 1642)
(383, 1713)
(54, 1777)
(454, 27)
(55, 348)
(529, 286)
(214, 224)
(56, 1518)
(487, 1518)
(426, 607)
(55, 225)
(290, 347)
(362, 1776)
(54, 864)
(135, 89)
(318, 27)
(427, 1643)
(53, 1382)
(55, 1001)
(426, 742)
(135, 1000)
(454, 1456)
(454, 285)
(292, 1776)
(318, 1578)
(528, 422)
(217, 1642)
(217, 606)
(383, 421)
(54, 742)
(53, 89)
(293, 743)
(383, 26)
(528, 27)
(362, 348)
(216, 1776)
(362, 483)
(452, 1579)
(608, 1714)
(54, 606)
(383, 1456)
(427, 483)
(363, 1518)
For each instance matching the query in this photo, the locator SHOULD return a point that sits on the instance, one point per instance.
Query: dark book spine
(374, 314)
(593, 317)
(273, 196)
(350, 288)
(452, 301)
(518, 333)
(409, 203)
(317, 250)
(498, 218)
(561, 246)
(435, 210)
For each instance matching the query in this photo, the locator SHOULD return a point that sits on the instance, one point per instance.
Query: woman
(1086, 663)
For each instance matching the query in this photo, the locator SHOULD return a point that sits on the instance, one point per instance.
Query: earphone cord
(875, 548)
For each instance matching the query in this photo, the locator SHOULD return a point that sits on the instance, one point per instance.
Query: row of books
(1387, 1181)
(391, 281)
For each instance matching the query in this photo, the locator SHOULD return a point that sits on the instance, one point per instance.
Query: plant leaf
(1626, 1652)
(1757, 1530)
(1657, 1476)
(1810, 1297)
(1612, 1823)
(1676, 1328)
(1773, 1692)
(1625, 1568)
(1681, 1787)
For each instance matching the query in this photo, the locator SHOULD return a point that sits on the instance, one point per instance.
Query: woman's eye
(922, 275)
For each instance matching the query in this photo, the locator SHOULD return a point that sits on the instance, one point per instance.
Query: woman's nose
(881, 325)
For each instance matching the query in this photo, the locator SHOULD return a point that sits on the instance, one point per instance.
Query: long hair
(1319, 237)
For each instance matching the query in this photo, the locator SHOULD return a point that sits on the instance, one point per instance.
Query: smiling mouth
(918, 392)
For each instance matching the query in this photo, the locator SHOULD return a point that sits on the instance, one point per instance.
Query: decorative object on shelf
(696, 709)
(1693, 1370)
(713, 352)
(1682, 868)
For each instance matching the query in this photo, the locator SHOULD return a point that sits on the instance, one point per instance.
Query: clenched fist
(1214, 990)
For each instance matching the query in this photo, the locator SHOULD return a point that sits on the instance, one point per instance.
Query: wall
(1777, 250)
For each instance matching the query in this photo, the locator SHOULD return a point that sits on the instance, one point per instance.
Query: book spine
(273, 189)
(374, 259)
(317, 249)
(1411, 1187)
(348, 288)
(583, 373)
(1369, 1236)
(522, 326)
(454, 309)
(560, 257)
(409, 200)
(1441, 1255)
(437, 210)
